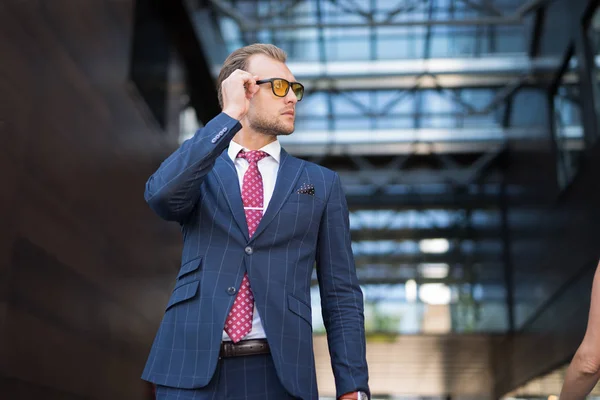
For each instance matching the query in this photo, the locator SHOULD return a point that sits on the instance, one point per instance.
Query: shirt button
(231, 290)
(248, 250)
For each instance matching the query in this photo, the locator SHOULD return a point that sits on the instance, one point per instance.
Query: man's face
(269, 114)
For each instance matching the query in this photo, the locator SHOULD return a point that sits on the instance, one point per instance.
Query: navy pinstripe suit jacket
(198, 187)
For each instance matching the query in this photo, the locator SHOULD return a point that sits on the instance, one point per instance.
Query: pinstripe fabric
(240, 378)
(198, 187)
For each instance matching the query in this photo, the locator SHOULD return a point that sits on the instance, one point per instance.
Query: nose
(290, 98)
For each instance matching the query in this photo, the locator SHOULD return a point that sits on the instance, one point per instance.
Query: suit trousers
(236, 378)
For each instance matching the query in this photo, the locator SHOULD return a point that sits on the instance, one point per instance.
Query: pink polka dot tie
(239, 320)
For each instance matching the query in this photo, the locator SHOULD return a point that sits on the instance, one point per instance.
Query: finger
(241, 72)
(251, 87)
(238, 76)
(251, 92)
(245, 76)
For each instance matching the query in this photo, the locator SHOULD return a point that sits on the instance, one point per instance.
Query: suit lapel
(290, 169)
(228, 179)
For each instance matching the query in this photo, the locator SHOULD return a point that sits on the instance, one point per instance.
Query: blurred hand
(237, 91)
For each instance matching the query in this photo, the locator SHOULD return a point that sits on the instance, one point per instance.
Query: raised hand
(237, 91)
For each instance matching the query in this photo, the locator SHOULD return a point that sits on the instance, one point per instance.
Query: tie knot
(253, 156)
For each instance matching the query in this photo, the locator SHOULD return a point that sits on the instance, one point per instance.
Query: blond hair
(239, 60)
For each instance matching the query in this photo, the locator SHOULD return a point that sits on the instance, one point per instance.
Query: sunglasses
(281, 87)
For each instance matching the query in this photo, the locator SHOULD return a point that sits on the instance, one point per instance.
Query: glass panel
(352, 103)
(333, 13)
(474, 121)
(510, 39)
(529, 108)
(391, 42)
(229, 29)
(307, 124)
(358, 123)
(436, 102)
(438, 121)
(304, 13)
(389, 48)
(313, 104)
(411, 308)
(347, 44)
(303, 50)
(395, 122)
(404, 103)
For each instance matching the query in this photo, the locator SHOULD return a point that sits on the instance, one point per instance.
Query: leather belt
(244, 348)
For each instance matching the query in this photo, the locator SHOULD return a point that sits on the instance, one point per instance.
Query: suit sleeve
(173, 190)
(341, 296)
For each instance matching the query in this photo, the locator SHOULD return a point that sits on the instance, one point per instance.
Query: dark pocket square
(307, 188)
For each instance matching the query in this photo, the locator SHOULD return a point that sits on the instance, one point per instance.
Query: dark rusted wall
(83, 279)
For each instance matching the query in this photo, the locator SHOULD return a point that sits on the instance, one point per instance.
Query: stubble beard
(269, 127)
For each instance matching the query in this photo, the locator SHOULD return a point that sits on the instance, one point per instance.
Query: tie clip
(253, 208)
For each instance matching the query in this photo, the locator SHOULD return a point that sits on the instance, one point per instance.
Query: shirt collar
(273, 149)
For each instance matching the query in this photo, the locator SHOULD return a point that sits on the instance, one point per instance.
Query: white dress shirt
(268, 167)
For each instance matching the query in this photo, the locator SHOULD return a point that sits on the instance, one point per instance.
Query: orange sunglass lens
(280, 87)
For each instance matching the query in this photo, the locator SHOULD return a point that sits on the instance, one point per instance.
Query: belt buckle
(229, 349)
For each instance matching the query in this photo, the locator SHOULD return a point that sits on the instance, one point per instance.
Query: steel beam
(482, 233)
(530, 6)
(410, 82)
(415, 197)
(366, 261)
(389, 148)
(230, 12)
(409, 201)
(420, 141)
(484, 7)
(424, 74)
(380, 178)
(405, 7)
(497, 18)
(503, 21)
(364, 279)
(422, 135)
(179, 23)
(484, 66)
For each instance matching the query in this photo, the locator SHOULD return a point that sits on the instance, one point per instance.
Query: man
(254, 221)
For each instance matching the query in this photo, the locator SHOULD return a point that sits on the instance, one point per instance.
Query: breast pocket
(304, 203)
(303, 213)
(303, 198)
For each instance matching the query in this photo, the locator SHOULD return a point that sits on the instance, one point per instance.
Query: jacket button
(249, 250)
(231, 290)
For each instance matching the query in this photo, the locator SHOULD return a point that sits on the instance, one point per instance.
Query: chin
(285, 129)
(288, 131)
